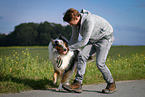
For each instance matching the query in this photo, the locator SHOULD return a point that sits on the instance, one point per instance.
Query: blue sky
(126, 16)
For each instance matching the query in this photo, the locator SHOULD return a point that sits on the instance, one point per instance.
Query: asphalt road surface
(125, 89)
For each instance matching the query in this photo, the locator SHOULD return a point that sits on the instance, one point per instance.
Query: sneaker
(74, 87)
(111, 87)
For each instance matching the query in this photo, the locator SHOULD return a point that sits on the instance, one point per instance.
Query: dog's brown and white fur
(64, 64)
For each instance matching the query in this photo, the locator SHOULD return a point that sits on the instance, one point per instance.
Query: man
(97, 37)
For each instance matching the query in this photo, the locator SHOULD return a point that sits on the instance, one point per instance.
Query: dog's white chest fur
(54, 55)
(65, 59)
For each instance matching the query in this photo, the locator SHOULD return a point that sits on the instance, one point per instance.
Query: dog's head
(60, 44)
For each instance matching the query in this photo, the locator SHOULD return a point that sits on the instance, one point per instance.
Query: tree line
(34, 34)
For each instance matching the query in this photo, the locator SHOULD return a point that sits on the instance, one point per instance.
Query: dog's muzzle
(59, 45)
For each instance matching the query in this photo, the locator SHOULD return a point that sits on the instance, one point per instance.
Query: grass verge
(21, 71)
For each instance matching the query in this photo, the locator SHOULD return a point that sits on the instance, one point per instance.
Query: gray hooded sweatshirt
(92, 28)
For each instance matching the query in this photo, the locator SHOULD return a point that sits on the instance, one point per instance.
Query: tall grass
(123, 68)
(20, 70)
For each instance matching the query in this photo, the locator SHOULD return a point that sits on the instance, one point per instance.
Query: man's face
(75, 22)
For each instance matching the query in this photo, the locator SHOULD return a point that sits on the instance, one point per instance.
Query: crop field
(28, 68)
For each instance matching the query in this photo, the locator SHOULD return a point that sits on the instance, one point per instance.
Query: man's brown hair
(70, 15)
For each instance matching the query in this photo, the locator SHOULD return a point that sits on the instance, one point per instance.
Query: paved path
(125, 89)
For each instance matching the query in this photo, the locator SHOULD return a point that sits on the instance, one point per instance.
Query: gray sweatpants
(101, 48)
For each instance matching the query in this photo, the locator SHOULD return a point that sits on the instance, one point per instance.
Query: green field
(28, 68)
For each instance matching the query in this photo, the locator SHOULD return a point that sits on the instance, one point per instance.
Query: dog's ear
(60, 36)
(63, 38)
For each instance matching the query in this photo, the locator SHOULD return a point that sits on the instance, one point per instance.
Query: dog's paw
(67, 83)
(57, 89)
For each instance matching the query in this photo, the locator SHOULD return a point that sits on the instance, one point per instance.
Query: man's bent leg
(76, 86)
(103, 47)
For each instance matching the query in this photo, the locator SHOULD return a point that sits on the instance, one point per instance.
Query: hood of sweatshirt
(83, 11)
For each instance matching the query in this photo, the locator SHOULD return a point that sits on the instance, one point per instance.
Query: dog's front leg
(59, 87)
(55, 76)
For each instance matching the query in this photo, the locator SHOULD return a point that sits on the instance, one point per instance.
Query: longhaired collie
(64, 64)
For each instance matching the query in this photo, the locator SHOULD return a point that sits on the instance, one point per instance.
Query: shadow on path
(34, 84)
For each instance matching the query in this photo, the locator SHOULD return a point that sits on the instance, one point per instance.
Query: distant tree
(25, 34)
(44, 33)
(2, 39)
(67, 31)
(29, 34)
